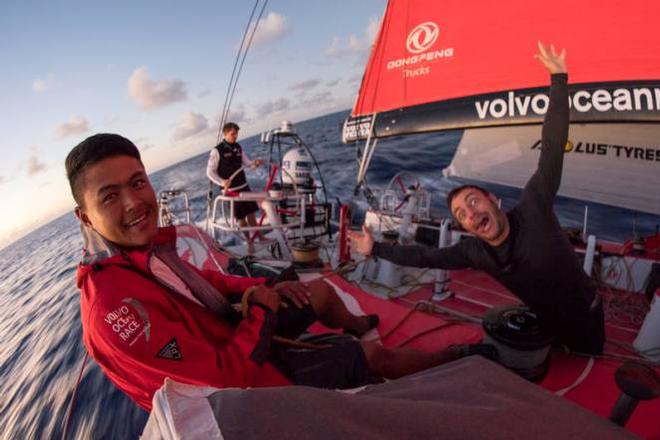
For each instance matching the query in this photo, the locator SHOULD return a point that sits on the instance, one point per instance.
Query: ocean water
(40, 333)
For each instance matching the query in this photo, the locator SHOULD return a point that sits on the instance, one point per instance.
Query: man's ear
(84, 219)
(493, 198)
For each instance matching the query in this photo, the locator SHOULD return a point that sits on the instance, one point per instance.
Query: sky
(157, 72)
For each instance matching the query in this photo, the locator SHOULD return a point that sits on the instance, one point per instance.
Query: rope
(245, 306)
(435, 308)
(74, 398)
(423, 306)
(419, 305)
(484, 289)
(425, 332)
(581, 378)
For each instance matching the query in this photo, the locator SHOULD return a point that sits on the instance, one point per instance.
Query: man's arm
(544, 183)
(451, 257)
(250, 163)
(150, 339)
(245, 159)
(212, 169)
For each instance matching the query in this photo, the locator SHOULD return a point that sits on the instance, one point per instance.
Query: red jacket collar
(99, 252)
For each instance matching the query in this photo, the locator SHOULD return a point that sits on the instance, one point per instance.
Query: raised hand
(361, 242)
(553, 62)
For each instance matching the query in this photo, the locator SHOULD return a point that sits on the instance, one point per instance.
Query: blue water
(41, 347)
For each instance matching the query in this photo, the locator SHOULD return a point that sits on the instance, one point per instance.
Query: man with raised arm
(525, 248)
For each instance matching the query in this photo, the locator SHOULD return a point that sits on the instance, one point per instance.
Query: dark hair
(230, 126)
(454, 192)
(92, 150)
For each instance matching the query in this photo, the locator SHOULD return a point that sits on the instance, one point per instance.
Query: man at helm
(225, 160)
(525, 248)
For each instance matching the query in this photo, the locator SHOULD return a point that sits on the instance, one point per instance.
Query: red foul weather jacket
(139, 330)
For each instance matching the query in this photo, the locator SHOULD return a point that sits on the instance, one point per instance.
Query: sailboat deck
(405, 321)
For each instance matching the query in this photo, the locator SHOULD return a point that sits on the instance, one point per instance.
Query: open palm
(555, 63)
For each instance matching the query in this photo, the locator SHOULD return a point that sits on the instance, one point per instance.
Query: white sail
(614, 164)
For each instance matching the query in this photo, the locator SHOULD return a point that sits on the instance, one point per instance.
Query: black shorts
(243, 209)
(342, 365)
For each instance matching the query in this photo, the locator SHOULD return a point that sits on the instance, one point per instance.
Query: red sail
(429, 50)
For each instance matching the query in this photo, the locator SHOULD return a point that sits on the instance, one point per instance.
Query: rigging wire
(240, 67)
(231, 89)
(233, 72)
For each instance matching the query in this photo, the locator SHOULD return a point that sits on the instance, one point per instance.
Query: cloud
(41, 85)
(353, 44)
(74, 126)
(305, 86)
(151, 94)
(318, 100)
(273, 107)
(143, 143)
(333, 82)
(270, 29)
(3, 179)
(237, 114)
(34, 166)
(190, 125)
(204, 94)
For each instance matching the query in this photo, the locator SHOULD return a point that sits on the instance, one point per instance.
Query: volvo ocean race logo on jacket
(129, 321)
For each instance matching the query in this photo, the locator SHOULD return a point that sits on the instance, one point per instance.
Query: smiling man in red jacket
(147, 314)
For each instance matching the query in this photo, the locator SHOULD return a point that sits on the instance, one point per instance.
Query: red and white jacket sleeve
(143, 335)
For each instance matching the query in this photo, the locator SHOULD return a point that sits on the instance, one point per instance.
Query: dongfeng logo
(422, 37)
(420, 42)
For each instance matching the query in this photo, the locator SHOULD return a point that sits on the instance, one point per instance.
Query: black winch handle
(636, 382)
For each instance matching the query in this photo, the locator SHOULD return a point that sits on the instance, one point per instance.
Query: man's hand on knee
(298, 293)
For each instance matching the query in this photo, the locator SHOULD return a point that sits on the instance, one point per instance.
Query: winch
(522, 341)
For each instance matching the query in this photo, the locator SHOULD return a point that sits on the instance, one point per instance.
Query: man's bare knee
(320, 286)
(320, 294)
